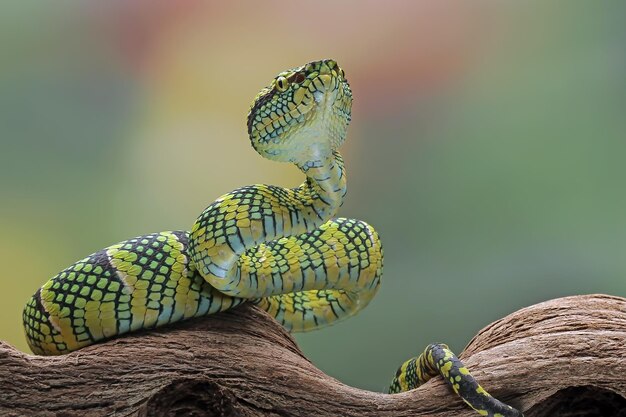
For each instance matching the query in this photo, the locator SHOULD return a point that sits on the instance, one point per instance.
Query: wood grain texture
(564, 357)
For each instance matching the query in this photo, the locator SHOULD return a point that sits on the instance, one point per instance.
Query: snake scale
(282, 249)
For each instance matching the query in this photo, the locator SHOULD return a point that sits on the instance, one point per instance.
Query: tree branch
(556, 358)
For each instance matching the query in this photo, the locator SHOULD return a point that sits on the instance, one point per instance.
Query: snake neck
(322, 194)
(249, 217)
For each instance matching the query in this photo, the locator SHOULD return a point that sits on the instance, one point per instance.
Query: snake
(282, 249)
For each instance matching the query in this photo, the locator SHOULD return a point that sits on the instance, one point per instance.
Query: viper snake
(281, 249)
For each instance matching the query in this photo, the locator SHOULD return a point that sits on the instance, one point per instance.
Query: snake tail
(438, 359)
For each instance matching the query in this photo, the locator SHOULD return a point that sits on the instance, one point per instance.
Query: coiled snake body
(279, 248)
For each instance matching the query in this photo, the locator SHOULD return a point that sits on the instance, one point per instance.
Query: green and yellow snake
(279, 248)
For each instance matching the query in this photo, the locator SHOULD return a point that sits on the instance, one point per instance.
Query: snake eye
(282, 84)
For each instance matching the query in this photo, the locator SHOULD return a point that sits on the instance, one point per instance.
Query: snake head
(302, 116)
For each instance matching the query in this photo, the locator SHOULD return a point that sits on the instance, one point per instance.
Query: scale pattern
(328, 274)
(280, 248)
(438, 359)
(140, 283)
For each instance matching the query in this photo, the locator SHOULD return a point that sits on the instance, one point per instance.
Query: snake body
(282, 249)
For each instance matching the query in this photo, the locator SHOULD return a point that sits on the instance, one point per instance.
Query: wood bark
(564, 357)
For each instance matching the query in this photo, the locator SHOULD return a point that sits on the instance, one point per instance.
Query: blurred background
(487, 147)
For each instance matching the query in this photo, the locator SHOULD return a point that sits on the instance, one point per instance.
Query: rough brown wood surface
(564, 357)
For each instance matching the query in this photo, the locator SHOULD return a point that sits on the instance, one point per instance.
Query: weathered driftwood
(565, 357)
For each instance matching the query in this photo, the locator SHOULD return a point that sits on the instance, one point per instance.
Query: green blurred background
(487, 147)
